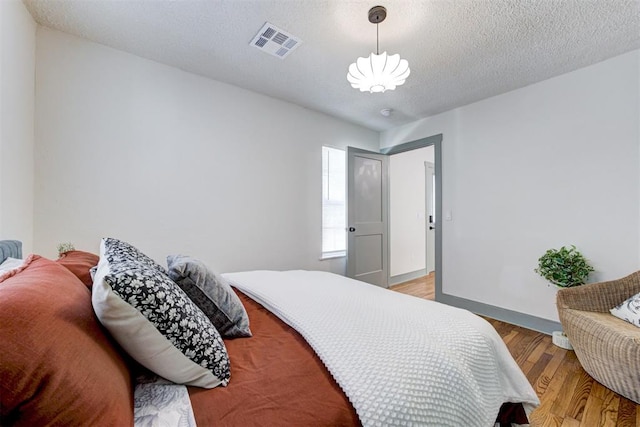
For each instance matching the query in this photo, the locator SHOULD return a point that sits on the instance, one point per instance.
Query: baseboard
(405, 277)
(515, 318)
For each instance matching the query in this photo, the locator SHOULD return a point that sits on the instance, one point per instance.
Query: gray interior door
(367, 216)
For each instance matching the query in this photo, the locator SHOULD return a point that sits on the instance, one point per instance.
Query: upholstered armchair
(607, 347)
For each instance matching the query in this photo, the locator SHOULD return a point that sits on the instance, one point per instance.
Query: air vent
(274, 41)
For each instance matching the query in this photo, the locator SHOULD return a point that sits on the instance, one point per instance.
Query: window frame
(326, 180)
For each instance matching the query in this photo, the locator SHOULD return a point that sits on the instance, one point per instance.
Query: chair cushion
(594, 323)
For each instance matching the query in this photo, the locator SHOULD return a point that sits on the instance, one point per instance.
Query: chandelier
(378, 72)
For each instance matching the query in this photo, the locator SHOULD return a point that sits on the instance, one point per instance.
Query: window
(334, 221)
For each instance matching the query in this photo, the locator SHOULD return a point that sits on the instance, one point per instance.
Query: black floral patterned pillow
(118, 250)
(156, 322)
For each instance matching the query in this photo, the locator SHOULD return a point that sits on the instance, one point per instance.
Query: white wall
(18, 45)
(407, 222)
(551, 164)
(174, 162)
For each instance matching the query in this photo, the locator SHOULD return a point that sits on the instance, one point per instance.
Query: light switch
(448, 216)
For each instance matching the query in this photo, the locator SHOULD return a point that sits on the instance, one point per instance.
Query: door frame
(436, 142)
(429, 183)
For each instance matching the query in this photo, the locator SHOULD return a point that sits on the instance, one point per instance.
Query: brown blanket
(276, 380)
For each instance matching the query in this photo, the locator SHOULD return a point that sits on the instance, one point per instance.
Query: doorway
(434, 181)
(411, 215)
(383, 254)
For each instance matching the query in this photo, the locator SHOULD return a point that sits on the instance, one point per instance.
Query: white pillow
(10, 264)
(154, 320)
(629, 310)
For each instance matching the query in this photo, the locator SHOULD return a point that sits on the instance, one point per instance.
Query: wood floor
(569, 397)
(423, 287)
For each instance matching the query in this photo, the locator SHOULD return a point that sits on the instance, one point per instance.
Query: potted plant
(564, 267)
(63, 248)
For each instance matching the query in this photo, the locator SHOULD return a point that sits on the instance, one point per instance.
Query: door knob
(352, 229)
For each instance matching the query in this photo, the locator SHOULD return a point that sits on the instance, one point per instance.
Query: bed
(322, 350)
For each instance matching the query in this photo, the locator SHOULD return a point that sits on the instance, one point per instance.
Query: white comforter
(400, 360)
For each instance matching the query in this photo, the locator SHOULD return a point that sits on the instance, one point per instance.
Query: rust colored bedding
(276, 380)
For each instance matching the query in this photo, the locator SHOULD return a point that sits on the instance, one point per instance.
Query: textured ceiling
(459, 51)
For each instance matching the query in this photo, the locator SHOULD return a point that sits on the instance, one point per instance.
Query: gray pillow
(212, 294)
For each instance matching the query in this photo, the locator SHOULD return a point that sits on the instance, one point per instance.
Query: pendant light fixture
(378, 72)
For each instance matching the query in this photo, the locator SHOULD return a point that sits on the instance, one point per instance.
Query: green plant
(564, 267)
(65, 247)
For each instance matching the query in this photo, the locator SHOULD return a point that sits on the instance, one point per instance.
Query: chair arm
(601, 296)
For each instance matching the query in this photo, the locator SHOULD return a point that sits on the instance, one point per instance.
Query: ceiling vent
(274, 41)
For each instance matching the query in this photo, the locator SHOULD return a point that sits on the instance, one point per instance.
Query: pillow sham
(212, 293)
(80, 264)
(155, 322)
(629, 310)
(57, 365)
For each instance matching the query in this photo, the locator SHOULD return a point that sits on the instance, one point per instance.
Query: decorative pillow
(212, 294)
(80, 263)
(123, 251)
(57, 366)
(629, 310)
(155, 322)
